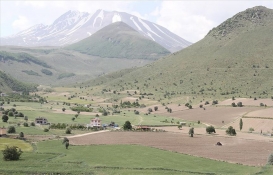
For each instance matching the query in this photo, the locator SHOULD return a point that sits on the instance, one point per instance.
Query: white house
(94, 122)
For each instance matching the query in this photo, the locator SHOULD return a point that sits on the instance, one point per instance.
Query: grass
(24, 146)
(52, 157)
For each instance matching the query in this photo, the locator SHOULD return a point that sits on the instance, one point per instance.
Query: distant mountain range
(74, 26)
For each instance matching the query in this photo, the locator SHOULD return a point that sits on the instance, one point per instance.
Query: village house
(95, 122)
(3, 95)
(41, 121)
(3, 131)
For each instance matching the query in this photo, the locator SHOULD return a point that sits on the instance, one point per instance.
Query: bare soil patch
(263, 113)
(212, 115)
(236, 150)
(248, 101)
(264, 125)
(67, 111)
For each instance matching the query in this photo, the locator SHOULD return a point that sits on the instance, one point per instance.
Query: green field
(24, 146)
(52, 157)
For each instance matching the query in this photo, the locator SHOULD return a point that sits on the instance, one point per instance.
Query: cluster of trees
(128, 104)
(10, 113)
(81, 109)
(188, 105)
(239, 104)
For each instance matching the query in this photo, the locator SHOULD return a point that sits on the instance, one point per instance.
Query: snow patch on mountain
(100, 15)
(116, 18)
(132, 19)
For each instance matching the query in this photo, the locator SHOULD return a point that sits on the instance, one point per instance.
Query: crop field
(236, 150)
(258, 124)
(212, 115)
(24, 146)
(52, 157)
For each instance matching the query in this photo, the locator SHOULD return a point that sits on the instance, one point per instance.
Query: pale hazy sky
(189, 19)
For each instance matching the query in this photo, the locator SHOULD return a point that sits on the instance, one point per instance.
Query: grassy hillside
(8, 84)
(234, 59)
(118, 40)
(56, 66)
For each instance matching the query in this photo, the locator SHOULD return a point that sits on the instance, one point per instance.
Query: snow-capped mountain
(74, 26)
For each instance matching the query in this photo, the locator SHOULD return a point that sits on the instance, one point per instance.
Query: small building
(3, 131)
(183, 123)
(95, 122)
(143, 128)
(41, 121)
(3, 95)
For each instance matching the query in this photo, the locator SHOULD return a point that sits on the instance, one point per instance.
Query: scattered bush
(210, 129)
(46, 130)
(231, 131)
(68, 131)
(5, 118)
(251, 129)
(11, 129)
(32, 124)
(12, 153)
(21, 135)
(25, 124)
(270, 159)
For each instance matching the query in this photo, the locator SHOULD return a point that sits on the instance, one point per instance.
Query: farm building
(3, 95)
(143, 128)
(94, 122)
(41, 121)
(183, 123)
(3, 131)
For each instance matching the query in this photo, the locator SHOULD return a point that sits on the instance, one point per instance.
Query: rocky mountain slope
(74, 26)
(234, 59)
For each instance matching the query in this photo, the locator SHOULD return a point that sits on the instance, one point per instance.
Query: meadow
(52, 157)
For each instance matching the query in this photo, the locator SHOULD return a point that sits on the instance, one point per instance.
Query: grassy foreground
(52, 157)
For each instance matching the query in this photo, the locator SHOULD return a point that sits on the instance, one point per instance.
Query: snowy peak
(74, 26)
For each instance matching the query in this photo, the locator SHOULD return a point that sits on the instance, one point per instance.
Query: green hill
(234, 59)
(118, 40)
(8, 84)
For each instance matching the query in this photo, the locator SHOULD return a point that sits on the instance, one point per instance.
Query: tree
(68, 131)
(231, 131)
(5, 118)
(26, 118)
(21, 135)
(25, 124)
(270, 159)
(240, 104)
(156, 108)
(12, 153)
(150, 110)
(11, 129)
(210, 129)
(241, 124)
(66, 142)
(191, 132)
(127, 125)
(10, 113)
(73, 118)
(179, 127)
(63, 109)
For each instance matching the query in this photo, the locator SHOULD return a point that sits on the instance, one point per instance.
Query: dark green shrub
(11, 129)
(25, 124)
(68, 131)
(210, 129)
(12, 153)
(231, 131)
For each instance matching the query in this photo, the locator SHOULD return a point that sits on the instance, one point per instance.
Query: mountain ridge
(237, 64)
(74, 26)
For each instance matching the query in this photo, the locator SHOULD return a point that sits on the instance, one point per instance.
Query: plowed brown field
(212, 115)
(236, 150)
